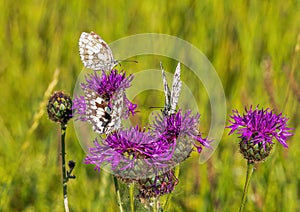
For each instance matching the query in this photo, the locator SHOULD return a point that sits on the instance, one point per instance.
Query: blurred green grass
(237, 36)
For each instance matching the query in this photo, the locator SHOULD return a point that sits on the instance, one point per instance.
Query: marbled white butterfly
(103, 118)
(95, 53)
(171, 97)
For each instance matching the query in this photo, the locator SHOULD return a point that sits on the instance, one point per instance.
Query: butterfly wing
(95, 53)
(166, 89)
(176, 87)
(97, 111)
(117, 109)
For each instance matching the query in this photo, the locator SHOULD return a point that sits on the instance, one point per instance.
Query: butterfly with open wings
(171, 97)
(95, 53)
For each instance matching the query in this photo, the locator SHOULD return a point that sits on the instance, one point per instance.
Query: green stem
(154, 206)
(131, 196)
(169, 195)
(63, 165)
(117, 188)
(247, 182)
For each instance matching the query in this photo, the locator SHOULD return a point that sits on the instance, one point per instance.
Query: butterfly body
(171, 97)
(95, 53)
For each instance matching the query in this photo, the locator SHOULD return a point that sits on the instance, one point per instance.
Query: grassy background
(238, 37)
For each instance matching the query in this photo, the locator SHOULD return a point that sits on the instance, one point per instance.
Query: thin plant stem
(169, 195)
(154, 205)
(166, 205)
(131, 196)
(117, 188)
(247, 182)
(63, 165)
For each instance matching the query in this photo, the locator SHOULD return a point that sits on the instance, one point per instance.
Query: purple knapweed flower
(257, 129)
(131, 153)
(106, 86)
(104, 102)
(180, 130)
(79, 108)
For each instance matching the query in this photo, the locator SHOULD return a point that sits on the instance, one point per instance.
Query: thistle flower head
(157, 186)
(180, 130)
(131, 153)
(257, 129)
(59, 107)
(104, 103)
(106, 85)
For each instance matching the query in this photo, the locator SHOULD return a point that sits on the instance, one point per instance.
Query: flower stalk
(131, 196)
(117, 188)
(246, 186)
(257, 130)
(154, 205)
(59, 110)
(169, 195)
(63, 165)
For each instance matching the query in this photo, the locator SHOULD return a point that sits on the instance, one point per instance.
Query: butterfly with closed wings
(95, 53)
(104, 118)
(171, 97)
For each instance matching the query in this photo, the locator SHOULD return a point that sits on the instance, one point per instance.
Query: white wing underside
(95, 53)
(117, 109)
(172, 97)
(176, 87)
(102, 118)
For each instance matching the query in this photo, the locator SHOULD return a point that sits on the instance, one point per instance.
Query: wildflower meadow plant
(147, 156)
(104, 102)
(59, 110)
(132, 153)
(180, 125)
(144, 157)
(257, 130)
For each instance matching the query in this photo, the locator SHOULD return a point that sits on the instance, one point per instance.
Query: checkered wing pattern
(97, 111)
(117, 111)
(94, 52)
(176, 87)
(173, 96)
(166, 90)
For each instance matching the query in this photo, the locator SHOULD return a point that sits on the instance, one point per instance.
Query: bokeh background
(253, 45)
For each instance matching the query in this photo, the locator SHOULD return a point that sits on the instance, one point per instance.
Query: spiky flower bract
(180, 130)
(157, 185)
(59, 107)
(131, 153)
(258, 128)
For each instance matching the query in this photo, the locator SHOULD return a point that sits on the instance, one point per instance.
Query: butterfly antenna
(131, 61)
(156, 107)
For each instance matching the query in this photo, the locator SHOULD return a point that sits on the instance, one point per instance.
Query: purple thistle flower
(131, 153)
(79, 106)
(260, 126)
(180, 130)
(106, 86)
